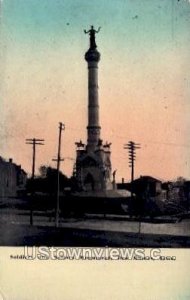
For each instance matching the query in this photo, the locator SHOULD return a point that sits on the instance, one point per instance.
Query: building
(12, 178)
(147, 186)
(93, 162)
(178, 192)
(187, 193)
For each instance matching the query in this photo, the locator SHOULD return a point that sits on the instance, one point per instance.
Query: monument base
(93, 169)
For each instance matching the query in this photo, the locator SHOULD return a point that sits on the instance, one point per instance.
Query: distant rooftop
(147, 178)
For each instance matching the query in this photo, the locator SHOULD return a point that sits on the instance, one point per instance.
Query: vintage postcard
(94, 152)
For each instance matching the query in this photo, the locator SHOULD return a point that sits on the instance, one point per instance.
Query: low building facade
(12, 178)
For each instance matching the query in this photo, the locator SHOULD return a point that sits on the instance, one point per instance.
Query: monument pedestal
(93, 170)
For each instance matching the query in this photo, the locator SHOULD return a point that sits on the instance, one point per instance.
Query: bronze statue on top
(92, 33)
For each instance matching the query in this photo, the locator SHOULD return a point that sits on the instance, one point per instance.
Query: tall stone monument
(93, 164)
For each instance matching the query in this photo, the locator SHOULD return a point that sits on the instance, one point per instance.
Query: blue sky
(143, 75)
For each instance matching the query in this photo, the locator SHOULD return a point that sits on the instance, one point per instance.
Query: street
(15, 230)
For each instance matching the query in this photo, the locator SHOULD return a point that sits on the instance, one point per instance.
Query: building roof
(11, 163)
(147, 179)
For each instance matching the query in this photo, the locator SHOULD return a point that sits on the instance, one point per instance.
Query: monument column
(92, 57)
(93, 163)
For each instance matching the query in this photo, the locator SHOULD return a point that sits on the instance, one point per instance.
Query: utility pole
(132, 146)
(33, 142)
(59, 159)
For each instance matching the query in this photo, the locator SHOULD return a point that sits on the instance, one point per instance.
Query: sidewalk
(111, 223)
(177, 229)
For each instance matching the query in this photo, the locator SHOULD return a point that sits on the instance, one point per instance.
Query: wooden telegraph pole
(58, 160)
(132, 146)
(33, 142)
